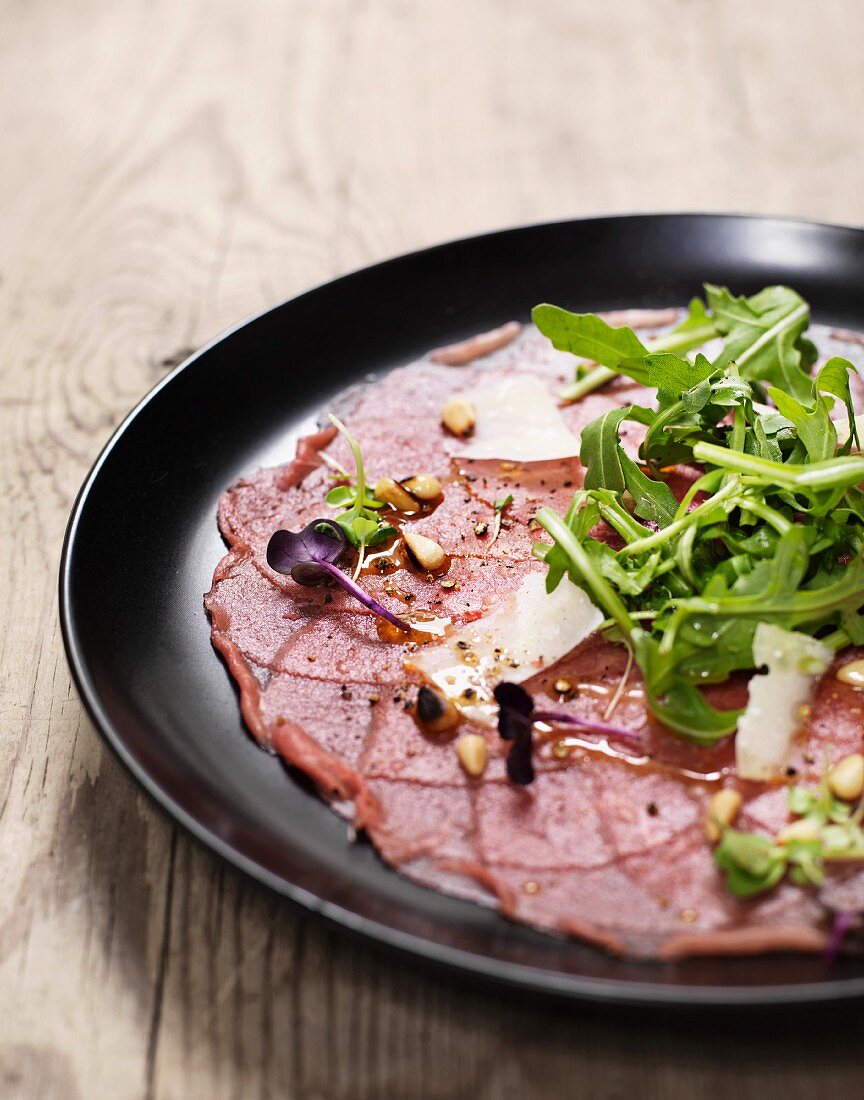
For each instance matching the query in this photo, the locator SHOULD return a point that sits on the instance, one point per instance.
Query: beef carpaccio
(607, 843)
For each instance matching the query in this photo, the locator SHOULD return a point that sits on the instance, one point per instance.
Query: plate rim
(495, 971)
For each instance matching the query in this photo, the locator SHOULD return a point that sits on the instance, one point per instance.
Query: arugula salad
(769, 536)
(771, 530)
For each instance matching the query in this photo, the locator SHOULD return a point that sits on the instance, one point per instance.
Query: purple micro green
(839, 930)
(516, 724)
(557, 717)
(516, 718)
(312, 556)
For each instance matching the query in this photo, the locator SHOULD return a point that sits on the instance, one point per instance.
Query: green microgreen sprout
(501, 504)
(360, 521)
(754, 863)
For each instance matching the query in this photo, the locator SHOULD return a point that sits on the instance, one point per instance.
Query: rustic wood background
(169, 167)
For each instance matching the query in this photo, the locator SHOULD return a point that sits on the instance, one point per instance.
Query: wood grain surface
(169, 167)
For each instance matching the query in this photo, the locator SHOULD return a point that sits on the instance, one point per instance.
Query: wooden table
(168, 168)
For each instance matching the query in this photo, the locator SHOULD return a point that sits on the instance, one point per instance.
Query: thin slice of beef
(607, 843)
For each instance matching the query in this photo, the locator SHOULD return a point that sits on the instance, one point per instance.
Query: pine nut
(722, 810)
(435, 711)
(473, 754)
(852, 673)
(846, 779)
(428, 554)
(391, 492)
(459, 416)
(423, 487)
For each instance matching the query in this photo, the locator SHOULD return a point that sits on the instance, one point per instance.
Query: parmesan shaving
(517, 420)
(773, 713)
(529, 631)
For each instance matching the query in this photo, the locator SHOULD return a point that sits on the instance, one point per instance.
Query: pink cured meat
(602, 846)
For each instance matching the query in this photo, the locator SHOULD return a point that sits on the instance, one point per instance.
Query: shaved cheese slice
(530, 630)
(772, 716)
(517, 420)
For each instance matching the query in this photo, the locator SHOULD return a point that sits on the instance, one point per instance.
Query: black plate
(142, 543)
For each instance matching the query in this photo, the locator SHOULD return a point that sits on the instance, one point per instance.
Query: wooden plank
(169, 168)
